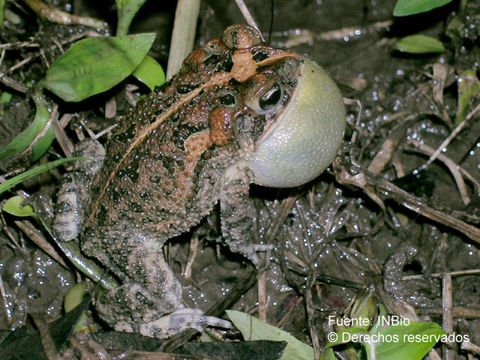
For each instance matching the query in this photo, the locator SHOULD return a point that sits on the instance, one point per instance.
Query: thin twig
(379, 189)
(458, 312)
(447, 313)
(451, 137)
(63, 140)
(192, 254)
(3, 293)
(289, 313)
(452, 273)
(303, 36)
(455, 169)
(7, 81)
(312, 324)
(105, 131)
(340, 34)
(468, 346)
(248, 16)
(356, 129)
(39, 239)
(19, 64)
(56, 45)
(48, 344)
(262, 296)
(19, 44)
(387, 149)
(2, 56)
(54, 15)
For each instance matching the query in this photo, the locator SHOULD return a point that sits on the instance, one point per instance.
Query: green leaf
(412, 7)
(10, 183)
(6, 97)
(15, 206)
(382, 314)
(2, 12)
(94, 65)
(254, 329)
(150, 72)
(420, 44)
(410, 341)
(468, 88)
(126, 10)
(43, 144)
(23, 140)
(328, 354)
(73, 298)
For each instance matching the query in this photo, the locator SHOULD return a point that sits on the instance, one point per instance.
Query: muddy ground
(349, 232)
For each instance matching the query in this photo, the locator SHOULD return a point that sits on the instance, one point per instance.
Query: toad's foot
(174, 323)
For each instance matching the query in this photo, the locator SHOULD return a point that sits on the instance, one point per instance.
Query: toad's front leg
(238, 214)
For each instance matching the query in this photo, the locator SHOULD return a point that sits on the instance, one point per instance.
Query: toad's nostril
(227, 100)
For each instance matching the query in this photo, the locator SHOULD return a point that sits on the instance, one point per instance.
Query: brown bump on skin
(200, 111)
(244, 39)
(243, 66)
(195, 145)
(219, 78)
(241, 37)
(219, 126)
(196, 57)
(162, 226)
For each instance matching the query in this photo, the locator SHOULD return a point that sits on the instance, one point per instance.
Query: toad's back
(165, 161)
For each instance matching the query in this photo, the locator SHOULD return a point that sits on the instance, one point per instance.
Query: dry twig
(248, 16)
(51, 14)
(450, 137)
(455, 169)
(380, 189)
(447, 313)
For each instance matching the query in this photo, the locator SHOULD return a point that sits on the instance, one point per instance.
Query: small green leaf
(15, 206)
(6, 97)
(254, 329)
(126, 10)
(2, 12)
(23, 140)
(412, 7)
(10, 183)
(468, 87)
(411, 341)
(420, 44)
(328, 354)
(74, 296)
(94, 65)
(43, 144)
(150, 72)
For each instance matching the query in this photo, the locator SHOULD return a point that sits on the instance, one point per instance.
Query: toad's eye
(270, 98)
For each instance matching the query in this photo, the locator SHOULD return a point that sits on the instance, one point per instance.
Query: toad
(238, 112)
